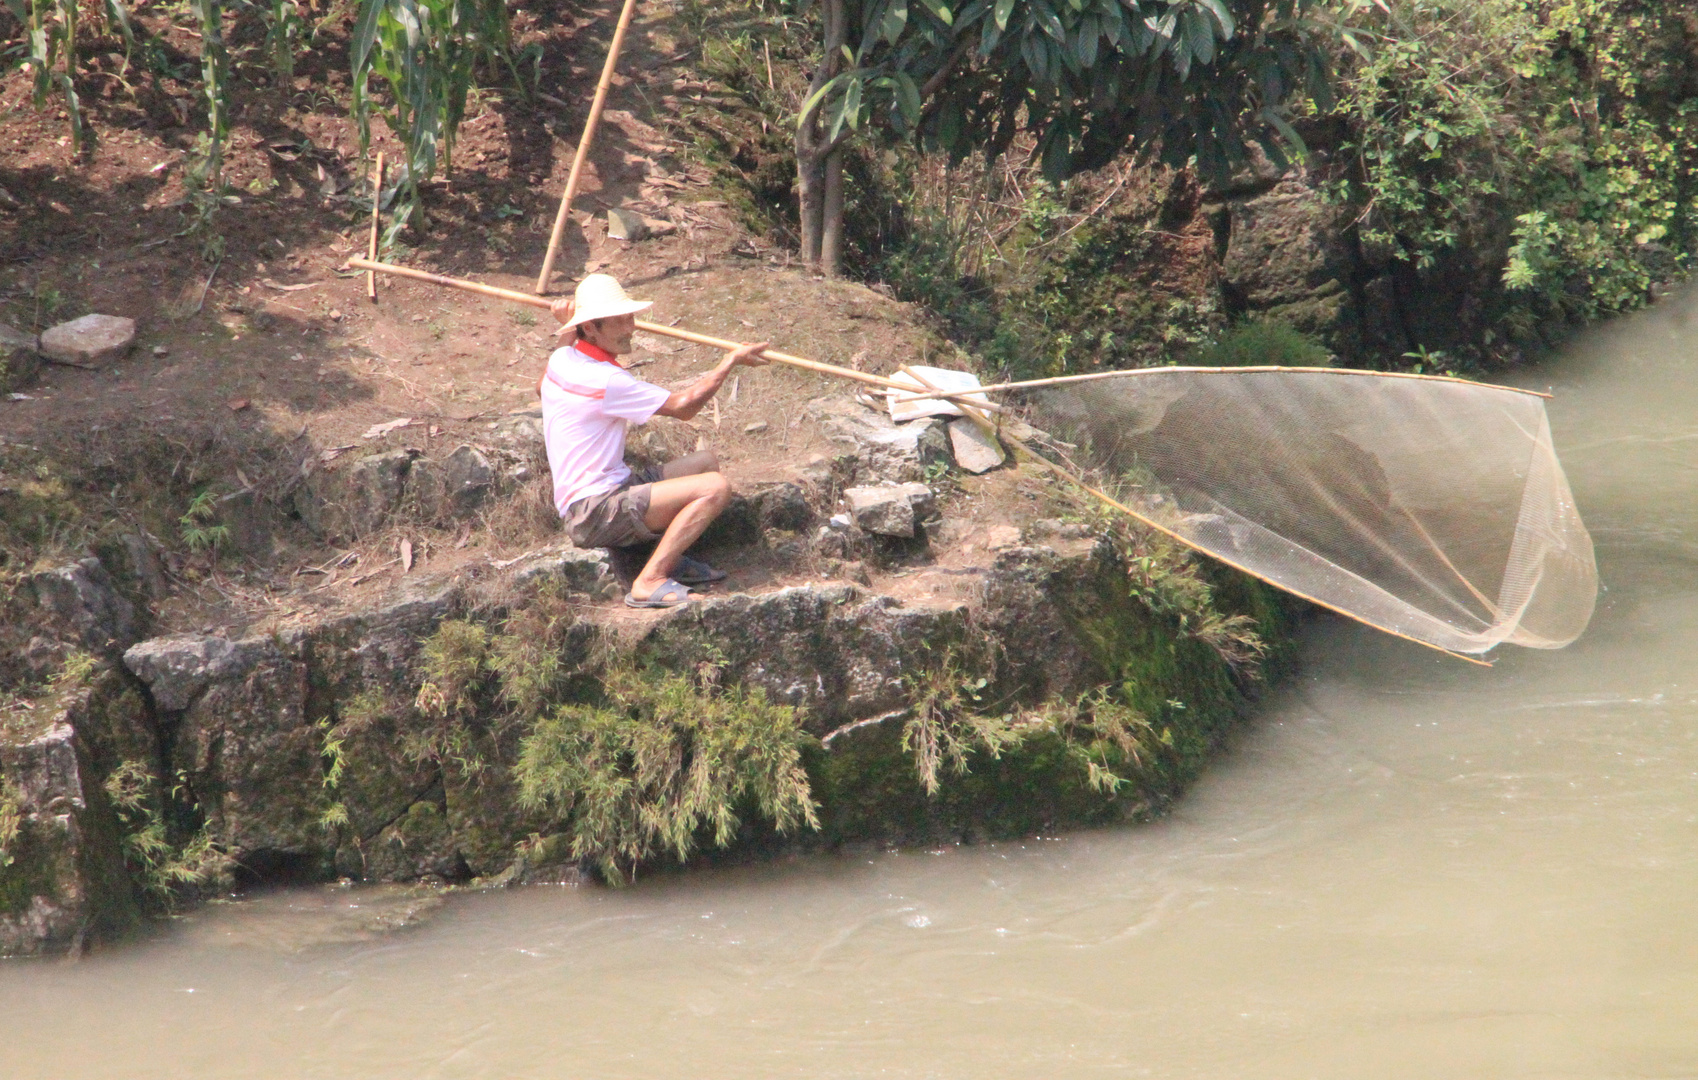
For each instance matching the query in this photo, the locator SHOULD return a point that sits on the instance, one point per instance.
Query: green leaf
(894, 22)
(1003, 9)
(907, 97)
(1223, 17)
(820, 95)
(1085, 41)
(365, 30)
(1286, 131)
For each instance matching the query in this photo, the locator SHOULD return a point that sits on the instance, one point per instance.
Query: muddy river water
(1406, 867)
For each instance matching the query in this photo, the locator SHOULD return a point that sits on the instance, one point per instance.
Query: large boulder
(179, 668)
(341, 501)
(828, 649)
(83, 599)
(890, 509)
(1286, 257)
(975, 449)
(453, 487)
(61, 869)
(883, 450)
(243, 720)
(91, 341)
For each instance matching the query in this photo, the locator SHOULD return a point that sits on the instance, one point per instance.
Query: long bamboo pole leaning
(584, 141)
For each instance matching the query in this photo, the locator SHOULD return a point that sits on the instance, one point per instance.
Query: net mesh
(1433, 509)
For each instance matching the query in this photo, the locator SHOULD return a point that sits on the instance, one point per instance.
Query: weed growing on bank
(661, 761)
(164, 869)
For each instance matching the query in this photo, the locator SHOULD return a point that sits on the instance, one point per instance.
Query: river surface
(1406, 867)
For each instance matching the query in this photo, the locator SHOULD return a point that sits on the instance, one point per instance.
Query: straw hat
(600, 296)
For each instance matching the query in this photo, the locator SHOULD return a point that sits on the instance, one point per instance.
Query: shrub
(660, 763)
(1264, 342)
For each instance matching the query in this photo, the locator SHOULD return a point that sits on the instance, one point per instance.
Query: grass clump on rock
(662, 762)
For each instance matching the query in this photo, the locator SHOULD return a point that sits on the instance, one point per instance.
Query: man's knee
(702, 461)
(719, 489)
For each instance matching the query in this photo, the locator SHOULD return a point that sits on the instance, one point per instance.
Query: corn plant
(208, 172)
(50, 31)
(50, 41)
(284, 30)
(426, 52)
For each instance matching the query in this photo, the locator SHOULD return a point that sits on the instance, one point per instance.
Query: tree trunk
(811, 143)
(810, 181)
(831, 228)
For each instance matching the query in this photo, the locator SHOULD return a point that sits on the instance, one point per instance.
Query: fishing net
(1433, 509)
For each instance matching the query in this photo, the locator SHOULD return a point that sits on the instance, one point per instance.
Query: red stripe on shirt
(581, 391)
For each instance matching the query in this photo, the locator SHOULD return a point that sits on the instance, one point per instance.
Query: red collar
(596, 352)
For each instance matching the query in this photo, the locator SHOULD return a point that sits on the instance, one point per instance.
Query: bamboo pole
(1033, 384)
(376, 197)
(373, 266)
(584, 142)
(1021, 450)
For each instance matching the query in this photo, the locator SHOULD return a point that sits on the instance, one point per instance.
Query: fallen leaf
(378, 431)
(268, 283)
(238, 405)
(334, 452)
(435, 430)
(406, 555)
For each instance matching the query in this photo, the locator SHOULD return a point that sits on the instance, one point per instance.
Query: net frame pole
(1062, 380)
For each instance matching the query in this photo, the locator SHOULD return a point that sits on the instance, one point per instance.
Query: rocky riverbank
(942, 657)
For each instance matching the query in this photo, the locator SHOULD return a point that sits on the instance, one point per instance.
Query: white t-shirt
(586, 406)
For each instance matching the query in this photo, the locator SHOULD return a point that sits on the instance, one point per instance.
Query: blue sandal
(671, 594)
(695, 572)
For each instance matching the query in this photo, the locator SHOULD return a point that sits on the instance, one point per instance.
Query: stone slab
(975, 450)
(91, 341)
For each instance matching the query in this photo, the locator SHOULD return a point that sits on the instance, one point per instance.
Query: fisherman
(588, 400)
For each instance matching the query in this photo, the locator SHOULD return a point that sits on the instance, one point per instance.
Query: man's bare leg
(680, 509)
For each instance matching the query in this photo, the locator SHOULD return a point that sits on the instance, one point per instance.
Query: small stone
(335, 315)
(89, 341)
(758, 425)
(975, 450)
(238, 405)
(624, 225)
(160, 350)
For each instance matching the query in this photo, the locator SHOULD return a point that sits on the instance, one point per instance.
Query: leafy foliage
(661, 761)
(427, 52)
(199, 525)
(11, 822)
(1185, 78)
(1559, 137)
(1263, 342)
(949, 720)
(165, 869)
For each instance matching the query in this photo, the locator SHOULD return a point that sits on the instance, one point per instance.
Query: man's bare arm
(686, 403)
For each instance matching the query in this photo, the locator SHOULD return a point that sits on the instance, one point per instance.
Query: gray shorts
(615, 519)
